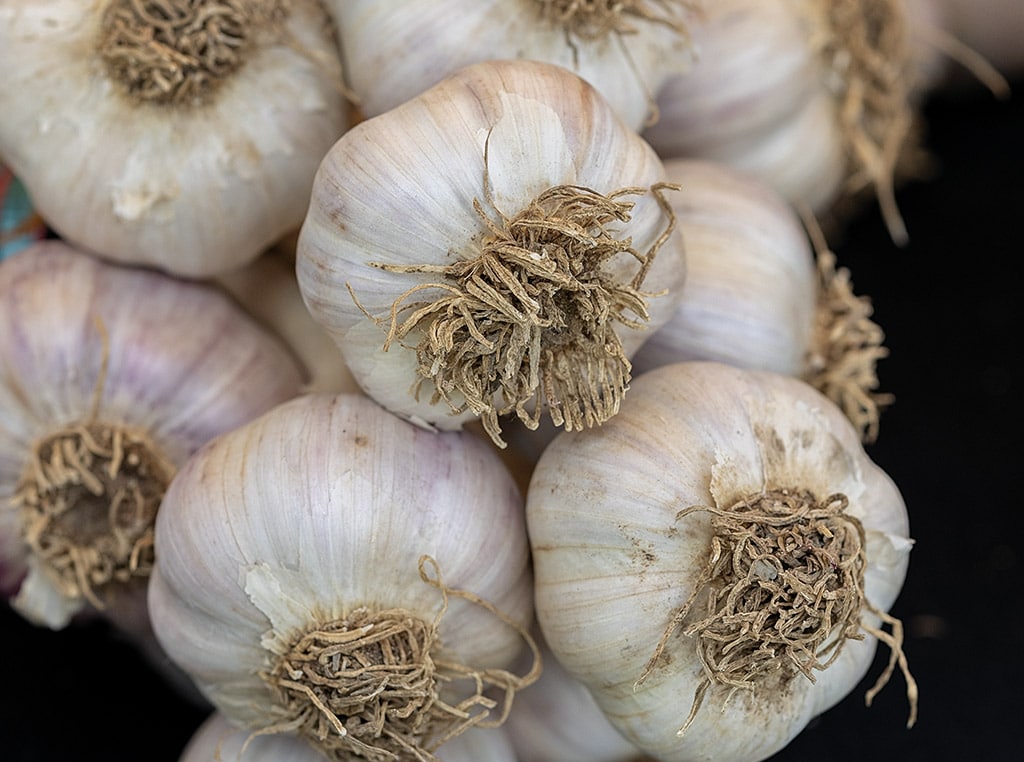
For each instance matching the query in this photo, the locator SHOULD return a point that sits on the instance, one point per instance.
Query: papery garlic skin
(396, 49)
(320, 507)
(193, 190)
(268, 290)
(399, 189)
(613, 563)
(751, 288)
(782, 81)
(754, 100)
(217, 740)
(174, 359)
(556, 718)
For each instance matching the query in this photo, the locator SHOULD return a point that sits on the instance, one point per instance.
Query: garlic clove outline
(615, 559)
(318, 516)
(556, 718)
(193, 188)
(409, 207)
(126, 353)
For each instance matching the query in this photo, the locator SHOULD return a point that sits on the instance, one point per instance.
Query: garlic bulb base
(784, 589)
(88, 500)
(532, 320)
(370, 684)
(180, 51)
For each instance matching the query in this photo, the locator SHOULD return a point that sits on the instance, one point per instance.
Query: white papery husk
(396, 49)
(751, 287)
(613, 564)
(86, 340)
(754, 100)
(320, 507)
(195, 190)
(217, 739)
(556, 718)
(268, 290)
(398, 190)
(816, 97)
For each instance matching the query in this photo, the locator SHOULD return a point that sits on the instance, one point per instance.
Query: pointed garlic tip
(178, 52)
(845, 349)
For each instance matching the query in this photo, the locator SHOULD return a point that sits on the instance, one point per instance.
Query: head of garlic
(732, 587)
(396, 49)
(757, 296)
(110, 377)
(334, 572)
(500, 244)
(180, 134)
(218, 740)
(814, 96)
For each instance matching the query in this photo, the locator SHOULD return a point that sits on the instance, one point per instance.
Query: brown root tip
(868, 54)
(180, 51)
(531, 321)
(846, 346)
(88, 500)
(369, 684)
(784, 591)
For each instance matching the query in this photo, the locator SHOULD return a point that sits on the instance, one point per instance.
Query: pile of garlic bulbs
(415, 386)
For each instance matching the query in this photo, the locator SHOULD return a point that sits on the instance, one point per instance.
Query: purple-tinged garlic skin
(87, 341)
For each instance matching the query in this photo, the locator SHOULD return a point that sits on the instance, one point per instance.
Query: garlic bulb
(109, 378)
(489, 248)
(268, 290)
(217, 740)
(750, 290)
(181, 134)
(814, 96)
(730, 589)
(755, 297)
(556, 718)
(396, 49)
(328, 535)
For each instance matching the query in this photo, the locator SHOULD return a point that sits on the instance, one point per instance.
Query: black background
(950, 303)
